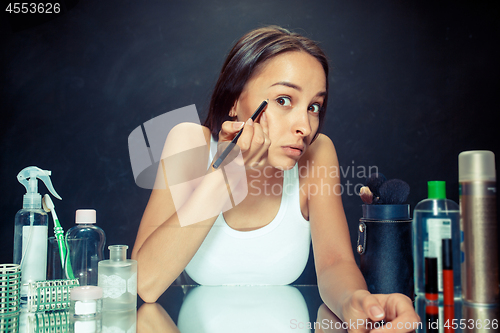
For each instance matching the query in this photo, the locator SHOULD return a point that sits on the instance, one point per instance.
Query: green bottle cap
(436, 189)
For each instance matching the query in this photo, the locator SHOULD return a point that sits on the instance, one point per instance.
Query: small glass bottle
(118, 279)
(434, 219)
(85, 244)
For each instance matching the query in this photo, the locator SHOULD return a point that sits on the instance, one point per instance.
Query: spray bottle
(479, 228)
(31, 228)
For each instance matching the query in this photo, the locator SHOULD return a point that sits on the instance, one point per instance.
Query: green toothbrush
(48, 206)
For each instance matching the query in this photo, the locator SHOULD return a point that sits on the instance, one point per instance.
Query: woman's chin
(283, 164)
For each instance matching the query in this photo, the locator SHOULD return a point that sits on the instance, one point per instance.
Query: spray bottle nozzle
(28, 178)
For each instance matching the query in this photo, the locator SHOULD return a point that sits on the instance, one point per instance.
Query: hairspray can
(478, 227)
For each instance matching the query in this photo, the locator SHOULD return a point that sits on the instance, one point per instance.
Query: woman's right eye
(284, 101)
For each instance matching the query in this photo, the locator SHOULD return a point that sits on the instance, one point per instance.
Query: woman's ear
(233, 113)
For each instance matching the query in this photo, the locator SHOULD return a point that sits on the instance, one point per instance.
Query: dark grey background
(413, 83)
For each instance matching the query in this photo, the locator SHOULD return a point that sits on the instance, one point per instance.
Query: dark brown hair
(252, 50)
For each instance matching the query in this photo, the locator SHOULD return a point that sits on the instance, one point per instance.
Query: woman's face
(295, 84)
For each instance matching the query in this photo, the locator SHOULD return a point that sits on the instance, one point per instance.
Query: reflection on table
(63, 321)
(276, 309)
(457, 318)
(245, 309)
(233, 309)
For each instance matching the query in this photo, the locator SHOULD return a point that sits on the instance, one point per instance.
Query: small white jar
(86, 301)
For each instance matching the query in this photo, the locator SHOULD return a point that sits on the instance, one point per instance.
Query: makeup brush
(374, 181)
(366, 195)
(394, 192)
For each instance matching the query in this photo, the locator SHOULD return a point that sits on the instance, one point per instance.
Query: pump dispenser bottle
(31, 228)
(434, 219)
(85, 243)
(118, 280)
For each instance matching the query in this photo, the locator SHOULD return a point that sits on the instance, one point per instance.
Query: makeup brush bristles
(374, 181)
(394, 192)
(379, 190)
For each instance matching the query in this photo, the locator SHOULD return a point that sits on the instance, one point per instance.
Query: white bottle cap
(85, 293)
(85, 216)
(476, 165)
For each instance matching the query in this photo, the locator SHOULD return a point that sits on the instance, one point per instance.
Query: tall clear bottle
(85, 243)
(118, 280)
(434, 219)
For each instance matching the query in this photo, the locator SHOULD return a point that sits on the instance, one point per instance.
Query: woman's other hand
(362, 312)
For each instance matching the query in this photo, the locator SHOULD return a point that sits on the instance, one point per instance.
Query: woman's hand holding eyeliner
(253, 142)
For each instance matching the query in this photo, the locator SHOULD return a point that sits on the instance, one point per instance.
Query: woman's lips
(293, 151)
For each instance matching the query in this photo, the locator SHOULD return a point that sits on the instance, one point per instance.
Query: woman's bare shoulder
(189, 129)
(186, 136)
(320, 152)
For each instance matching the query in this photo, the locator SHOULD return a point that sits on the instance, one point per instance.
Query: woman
(265, 238)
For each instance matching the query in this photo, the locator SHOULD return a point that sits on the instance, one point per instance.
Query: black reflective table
(297, 308)
(291, 308)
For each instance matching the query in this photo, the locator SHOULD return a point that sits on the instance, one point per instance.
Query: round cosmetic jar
(86, 301)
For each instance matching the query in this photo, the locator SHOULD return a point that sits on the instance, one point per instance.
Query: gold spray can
(479, 228)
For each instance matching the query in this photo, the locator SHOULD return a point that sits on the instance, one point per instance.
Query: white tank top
(275, 254)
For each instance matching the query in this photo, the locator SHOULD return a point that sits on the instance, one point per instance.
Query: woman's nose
(301, 123)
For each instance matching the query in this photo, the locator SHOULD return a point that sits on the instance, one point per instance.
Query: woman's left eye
(315, 108)
(284, 101)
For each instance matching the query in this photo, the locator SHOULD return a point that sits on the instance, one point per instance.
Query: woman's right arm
(164, 247)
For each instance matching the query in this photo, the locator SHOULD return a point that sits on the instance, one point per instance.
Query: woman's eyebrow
(296, 87)
(287, 84)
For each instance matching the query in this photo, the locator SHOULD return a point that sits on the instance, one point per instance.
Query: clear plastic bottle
(434, 219)
(118, 280)
(30, 245)
(85, 244)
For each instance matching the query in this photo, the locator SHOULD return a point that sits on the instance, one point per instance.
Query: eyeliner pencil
(231, 145)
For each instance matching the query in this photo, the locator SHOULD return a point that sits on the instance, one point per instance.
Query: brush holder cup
(55, 268)
(385, 249)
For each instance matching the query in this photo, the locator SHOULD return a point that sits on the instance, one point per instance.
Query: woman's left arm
(341, 284)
